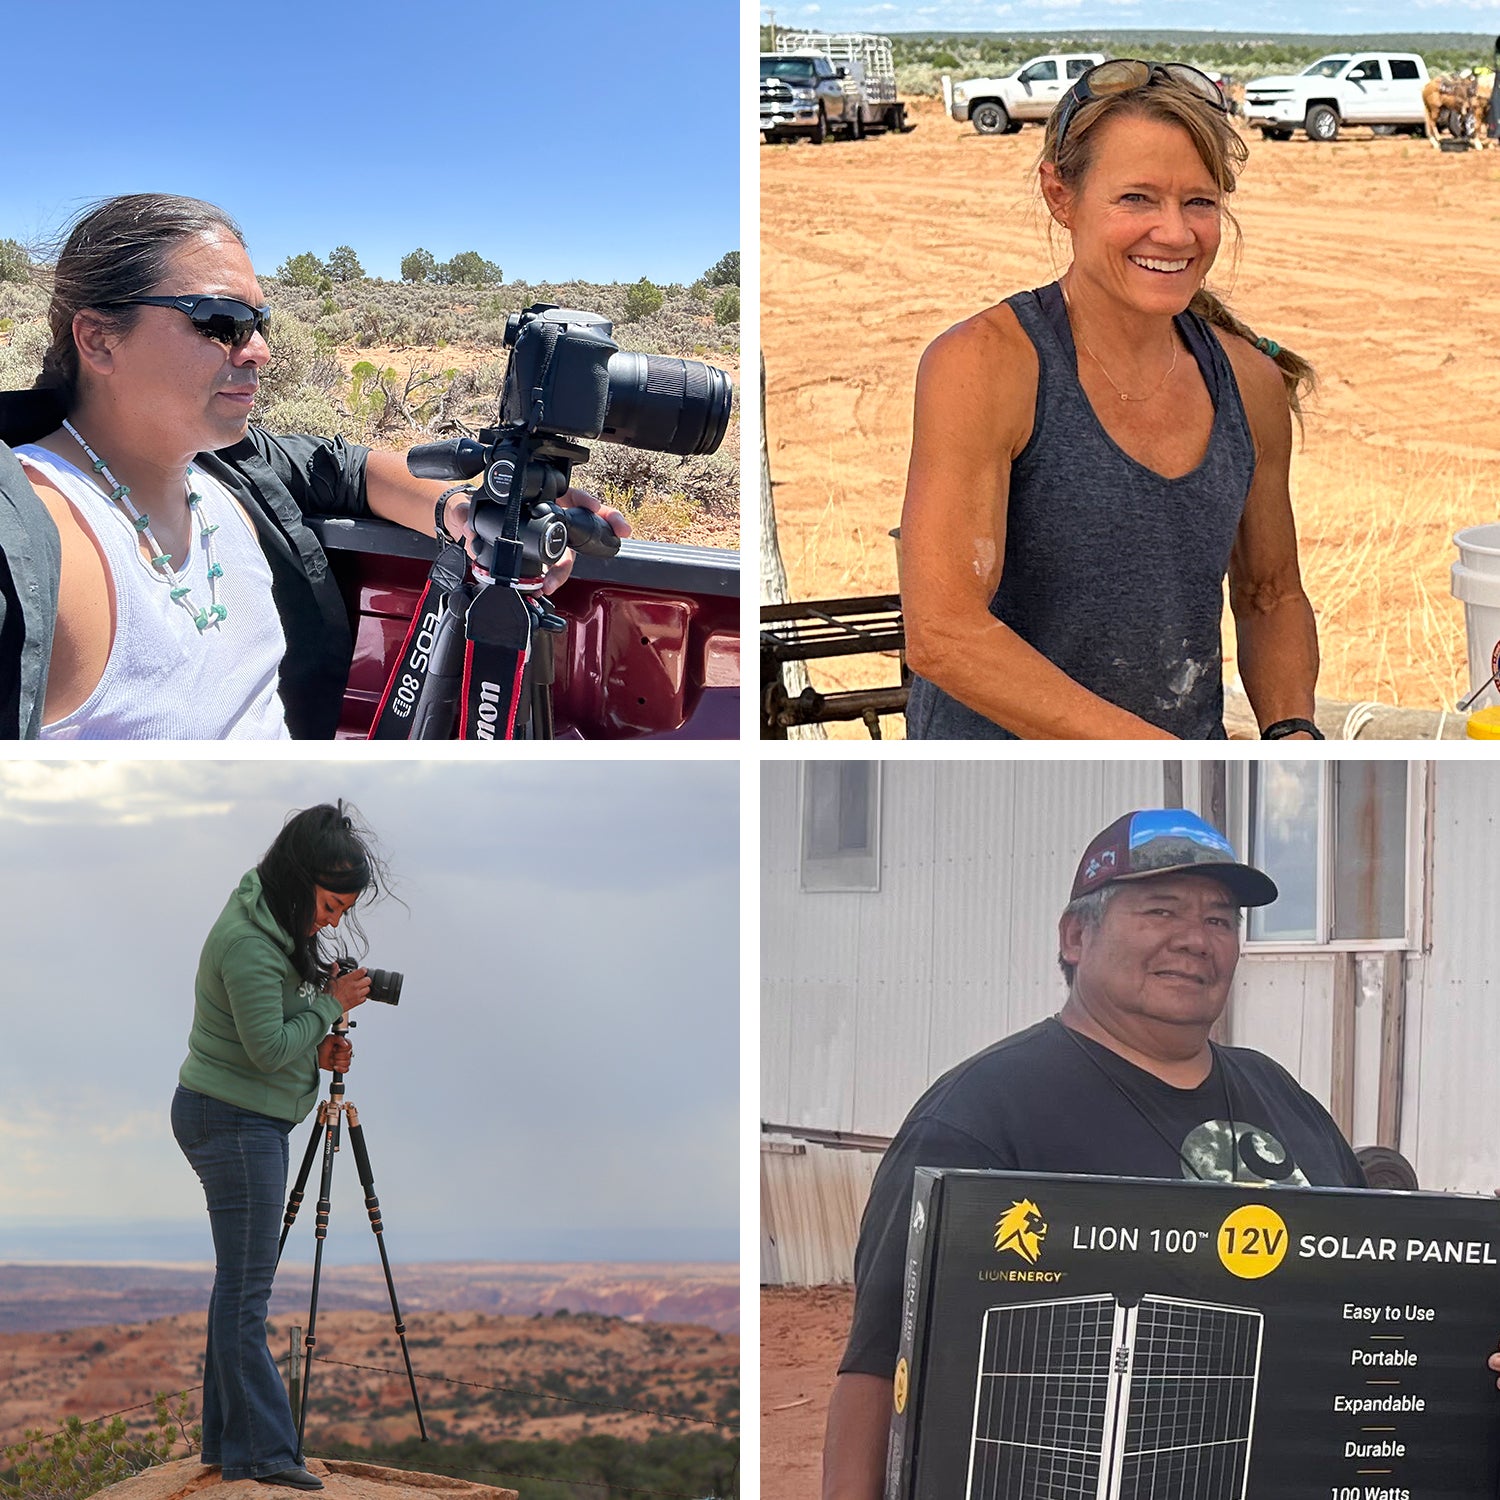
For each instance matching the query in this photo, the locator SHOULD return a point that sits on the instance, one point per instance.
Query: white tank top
(165, 680)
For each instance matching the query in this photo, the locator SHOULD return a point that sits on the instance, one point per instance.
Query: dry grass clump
(1389, 628)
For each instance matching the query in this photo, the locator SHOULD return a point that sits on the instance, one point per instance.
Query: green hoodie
(256, 1023)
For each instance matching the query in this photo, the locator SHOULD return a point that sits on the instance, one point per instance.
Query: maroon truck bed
(652, 645)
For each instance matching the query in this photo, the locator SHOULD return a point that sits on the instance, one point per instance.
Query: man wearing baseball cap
(1122, 1082)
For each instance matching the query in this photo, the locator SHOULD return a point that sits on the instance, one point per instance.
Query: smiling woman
(1091, 459)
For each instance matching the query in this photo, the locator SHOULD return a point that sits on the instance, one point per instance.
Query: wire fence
(610, 1486)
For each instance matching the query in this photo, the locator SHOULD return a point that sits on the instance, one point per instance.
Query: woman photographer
(161, 581)
(1090, 460)
(265, 995)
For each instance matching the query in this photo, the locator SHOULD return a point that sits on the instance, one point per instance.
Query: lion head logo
(1022, 1229)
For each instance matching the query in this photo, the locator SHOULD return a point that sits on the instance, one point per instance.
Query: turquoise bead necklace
(162, 561)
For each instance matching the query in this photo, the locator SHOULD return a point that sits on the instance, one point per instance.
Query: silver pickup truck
(800, 94)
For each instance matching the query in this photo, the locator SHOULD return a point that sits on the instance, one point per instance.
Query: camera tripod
(327, 1129)
(480, 643)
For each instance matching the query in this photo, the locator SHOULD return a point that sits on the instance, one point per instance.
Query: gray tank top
(1112, 572)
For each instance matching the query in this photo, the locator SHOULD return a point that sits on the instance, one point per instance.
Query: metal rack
(817, 630)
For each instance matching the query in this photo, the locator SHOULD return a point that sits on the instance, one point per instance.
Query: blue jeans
(241, 1159)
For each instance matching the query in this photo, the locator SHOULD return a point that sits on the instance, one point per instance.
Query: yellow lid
(1484, 724)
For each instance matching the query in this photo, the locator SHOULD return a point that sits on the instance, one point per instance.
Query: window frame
(844, 888)
(1412, 939)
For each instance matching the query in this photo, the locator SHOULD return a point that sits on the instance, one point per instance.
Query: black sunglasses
(226, 320)
(1122, 75)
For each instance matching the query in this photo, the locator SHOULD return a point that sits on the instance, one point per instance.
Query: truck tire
(857, 126)
(990, 118)
(819, 133)
(1322, 123)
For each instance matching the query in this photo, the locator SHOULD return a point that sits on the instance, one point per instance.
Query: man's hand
(558, 573)
(335, 1053)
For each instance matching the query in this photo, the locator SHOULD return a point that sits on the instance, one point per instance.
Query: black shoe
(296, 1479)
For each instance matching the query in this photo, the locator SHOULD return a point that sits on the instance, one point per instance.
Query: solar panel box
(1090, 1338)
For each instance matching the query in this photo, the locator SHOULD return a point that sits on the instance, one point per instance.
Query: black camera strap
(393, 715)
(495, 656)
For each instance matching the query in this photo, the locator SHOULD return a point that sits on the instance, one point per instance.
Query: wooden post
(773, 589)
(1341, 1086)
(294, 1371)
(1392, 1050)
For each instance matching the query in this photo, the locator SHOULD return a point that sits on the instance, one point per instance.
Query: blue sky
(1317, 16)
(559, 1082)
(577, 139)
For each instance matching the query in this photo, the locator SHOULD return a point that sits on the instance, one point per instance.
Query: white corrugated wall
(867, 997)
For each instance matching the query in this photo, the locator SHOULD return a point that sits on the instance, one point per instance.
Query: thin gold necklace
(1124, 396)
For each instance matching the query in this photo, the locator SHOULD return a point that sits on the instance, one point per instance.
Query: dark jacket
(279, 480)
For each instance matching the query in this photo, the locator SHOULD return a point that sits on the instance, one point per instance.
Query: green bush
(83, 1459)
(468, 268)
(302, 270)
(343, 265)
(15, 263)
(294, 347)
(725, 271)
(727, 306)
(418, 266)
(642, 300)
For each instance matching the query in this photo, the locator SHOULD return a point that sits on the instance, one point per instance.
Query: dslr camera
(568, 379)
(385, 984)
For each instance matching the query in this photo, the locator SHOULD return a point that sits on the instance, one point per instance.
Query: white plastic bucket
(1476, 582)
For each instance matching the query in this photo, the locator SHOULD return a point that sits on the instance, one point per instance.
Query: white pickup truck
(1000, 106)
(1347, 88)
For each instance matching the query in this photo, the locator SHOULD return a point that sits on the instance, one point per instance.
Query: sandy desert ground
(802, 1331)
(1375, 258)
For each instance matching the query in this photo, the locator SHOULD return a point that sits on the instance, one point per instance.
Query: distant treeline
(587, 1468)
(922, 57)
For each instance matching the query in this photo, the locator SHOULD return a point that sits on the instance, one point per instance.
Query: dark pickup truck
(652, 645)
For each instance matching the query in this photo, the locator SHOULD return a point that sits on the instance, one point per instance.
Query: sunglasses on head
(1123, 75)
(226, 320)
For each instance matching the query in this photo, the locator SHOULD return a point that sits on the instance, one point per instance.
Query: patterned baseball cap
(1168, 841)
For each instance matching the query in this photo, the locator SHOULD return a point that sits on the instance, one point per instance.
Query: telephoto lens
(385, 984)
(666, 404)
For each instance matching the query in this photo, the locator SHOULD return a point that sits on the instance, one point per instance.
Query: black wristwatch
(440, 526)
(1284, 727)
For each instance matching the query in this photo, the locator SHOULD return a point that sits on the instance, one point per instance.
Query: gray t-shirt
(1114, 573)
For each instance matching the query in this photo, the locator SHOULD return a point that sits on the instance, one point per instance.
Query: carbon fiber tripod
(327, 1128)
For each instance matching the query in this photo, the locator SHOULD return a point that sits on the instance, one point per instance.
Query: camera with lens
(385, 984)
(567, 378)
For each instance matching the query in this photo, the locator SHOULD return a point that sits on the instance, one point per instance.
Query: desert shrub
(468, 268)
(727, 306)
(712, 480)
(343, 265)
(84, 1458)
(435, 329)
(23, 300)
(334, 329)
(15, 262)
(725, 271)
(21, 359)
(642, 300)
(418, 266)
(302, 270)
(293, 351)
(309, 410)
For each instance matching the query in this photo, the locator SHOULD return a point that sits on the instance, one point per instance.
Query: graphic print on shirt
(1225, 1151)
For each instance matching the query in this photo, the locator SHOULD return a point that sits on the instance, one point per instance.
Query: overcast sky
(1317, 16)
(559, 1080)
